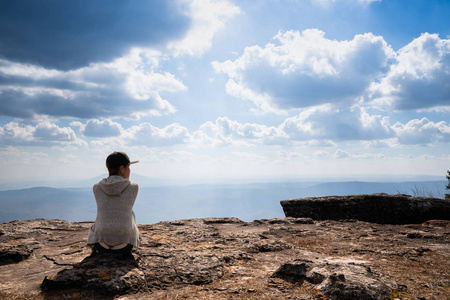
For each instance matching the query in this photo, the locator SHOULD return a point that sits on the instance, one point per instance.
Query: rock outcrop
(336, 280)
(377, 208)
(108, 274)
(13, 254)
(225, 258)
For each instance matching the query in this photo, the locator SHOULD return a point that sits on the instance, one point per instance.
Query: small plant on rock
(447, 196)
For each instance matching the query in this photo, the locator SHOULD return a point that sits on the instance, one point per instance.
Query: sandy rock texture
(225, 258)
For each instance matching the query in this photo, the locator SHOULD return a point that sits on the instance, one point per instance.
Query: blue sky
(208, 89)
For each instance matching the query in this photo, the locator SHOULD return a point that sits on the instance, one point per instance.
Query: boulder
(104, 274)
(376, 208)
(336, 280)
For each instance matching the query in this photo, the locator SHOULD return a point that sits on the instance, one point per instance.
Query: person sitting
(115, 229)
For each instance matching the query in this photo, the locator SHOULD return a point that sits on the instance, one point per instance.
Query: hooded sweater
(115, 223)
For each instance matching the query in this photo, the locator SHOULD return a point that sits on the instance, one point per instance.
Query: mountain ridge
(247, 201)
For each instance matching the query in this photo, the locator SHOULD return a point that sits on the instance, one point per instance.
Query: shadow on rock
(13, 254)
(105, 274)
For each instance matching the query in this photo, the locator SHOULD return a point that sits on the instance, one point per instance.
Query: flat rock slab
(377, 208)
(225, 258)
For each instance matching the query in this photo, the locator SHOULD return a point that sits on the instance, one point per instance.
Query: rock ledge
(377, 208)
(225, 258)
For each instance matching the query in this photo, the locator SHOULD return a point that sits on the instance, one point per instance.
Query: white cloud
(26, 70)
(340, 154)
(14, 158)
(14, 131)
(41, 134)
(100, 128)
(146, 134)
(321, 154)
(386, 143)
(422, 132)
(262, 101)
(306, 69)
(228, 132)
(419, 78)
(208, 17)
(130, 86)
(328, 122)
(322, 127)
(51, 132)
(373, 156)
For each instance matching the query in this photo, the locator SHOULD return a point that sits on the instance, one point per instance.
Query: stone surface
(106, 273)
(225, 258)
(337, 279)
(13, 254)
(378, 208)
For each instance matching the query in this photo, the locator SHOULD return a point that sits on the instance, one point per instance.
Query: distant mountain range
(145, 181)
(247, 201)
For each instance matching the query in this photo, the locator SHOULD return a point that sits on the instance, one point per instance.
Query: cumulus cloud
(100, 128)
(315, 127)
(321, 154)
(129, 86)
(71, 34)
(306, 69)
(323, 127)
(318, 127)
(328, 122)
(228, 132)
(42, 134)
(207, 17)
(341, 154)
(422, 132)
(145, 134)
(419, 79)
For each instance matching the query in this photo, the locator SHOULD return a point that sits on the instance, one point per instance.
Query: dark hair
(114, 170)
(115, 160)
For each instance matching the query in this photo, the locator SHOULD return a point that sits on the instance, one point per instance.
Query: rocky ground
(225, 258)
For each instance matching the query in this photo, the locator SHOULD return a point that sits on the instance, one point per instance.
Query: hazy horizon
(144, 181)
(246, 201)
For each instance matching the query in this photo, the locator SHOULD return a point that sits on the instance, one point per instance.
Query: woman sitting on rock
(115, 229)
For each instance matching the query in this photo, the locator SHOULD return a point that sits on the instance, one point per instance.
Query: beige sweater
(115, 223)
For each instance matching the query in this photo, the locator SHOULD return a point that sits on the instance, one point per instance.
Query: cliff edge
(377, 208)
(225, 258)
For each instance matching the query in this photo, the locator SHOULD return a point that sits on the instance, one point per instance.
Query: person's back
(115, 228)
